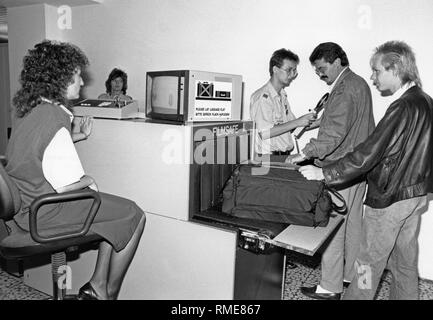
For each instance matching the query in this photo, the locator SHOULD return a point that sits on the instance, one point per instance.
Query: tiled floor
(306, 273)
(13, 288)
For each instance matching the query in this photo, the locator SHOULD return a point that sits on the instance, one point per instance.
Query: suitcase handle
(339, 209)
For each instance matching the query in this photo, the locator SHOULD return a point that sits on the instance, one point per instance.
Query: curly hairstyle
(117, 73)
(48, 70)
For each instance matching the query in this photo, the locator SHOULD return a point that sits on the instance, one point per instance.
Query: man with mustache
(397, 158)
(347, 121)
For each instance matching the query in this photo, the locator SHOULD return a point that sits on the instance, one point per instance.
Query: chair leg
(57, 261)
(13, 267)
(21, 268)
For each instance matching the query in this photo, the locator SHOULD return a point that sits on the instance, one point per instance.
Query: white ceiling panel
(72, 3)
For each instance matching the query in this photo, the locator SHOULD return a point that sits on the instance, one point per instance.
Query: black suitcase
(278, 194)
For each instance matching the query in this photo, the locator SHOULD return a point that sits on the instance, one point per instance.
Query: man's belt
(280, 153)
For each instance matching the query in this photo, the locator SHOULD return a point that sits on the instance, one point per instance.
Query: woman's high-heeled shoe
(87, 292)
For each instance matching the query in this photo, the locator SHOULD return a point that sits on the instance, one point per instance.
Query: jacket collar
(337, 81)
(402, 91)
(343, 75)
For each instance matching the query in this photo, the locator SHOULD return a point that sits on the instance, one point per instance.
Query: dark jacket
(397, 157)
(346, 122)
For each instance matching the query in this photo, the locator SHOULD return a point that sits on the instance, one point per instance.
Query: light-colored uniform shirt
(267, 109)
(61, 165)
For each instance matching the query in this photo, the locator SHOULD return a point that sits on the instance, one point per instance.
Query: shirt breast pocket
(278, 118)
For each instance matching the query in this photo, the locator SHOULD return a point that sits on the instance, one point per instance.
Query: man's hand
(306, 119)
(295, 158)
(312, 172)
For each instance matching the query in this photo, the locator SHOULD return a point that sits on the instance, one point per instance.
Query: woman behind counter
(41, 148)
(116, 85)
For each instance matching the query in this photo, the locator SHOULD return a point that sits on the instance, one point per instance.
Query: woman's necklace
(49, 101)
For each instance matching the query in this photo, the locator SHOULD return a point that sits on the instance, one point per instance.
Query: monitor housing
(186, 96)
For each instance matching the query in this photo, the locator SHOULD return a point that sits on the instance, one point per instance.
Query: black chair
(18, 244)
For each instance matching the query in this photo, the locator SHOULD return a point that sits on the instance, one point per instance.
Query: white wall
(26, 27)
(239, 37)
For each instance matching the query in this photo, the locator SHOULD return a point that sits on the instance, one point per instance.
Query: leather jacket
(397, 157)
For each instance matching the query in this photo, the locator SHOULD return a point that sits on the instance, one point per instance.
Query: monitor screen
(163, 95)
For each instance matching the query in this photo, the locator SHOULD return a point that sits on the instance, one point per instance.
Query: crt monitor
(193, 96)
(165, 94)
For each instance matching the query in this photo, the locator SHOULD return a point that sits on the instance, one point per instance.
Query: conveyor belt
(213, 215)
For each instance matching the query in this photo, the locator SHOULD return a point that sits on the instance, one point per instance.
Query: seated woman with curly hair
(41, 148)
(116, 86)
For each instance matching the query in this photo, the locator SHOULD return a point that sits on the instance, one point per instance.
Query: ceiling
(72, 3)
(4, 4)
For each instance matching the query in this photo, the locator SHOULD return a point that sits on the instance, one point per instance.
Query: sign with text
(213, 100)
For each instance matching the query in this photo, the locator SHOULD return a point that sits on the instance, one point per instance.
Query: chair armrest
(58, 198)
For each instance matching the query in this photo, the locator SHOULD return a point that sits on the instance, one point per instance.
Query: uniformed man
(270, 110)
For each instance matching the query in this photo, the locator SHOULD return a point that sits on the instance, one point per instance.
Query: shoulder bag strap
(342, 209)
